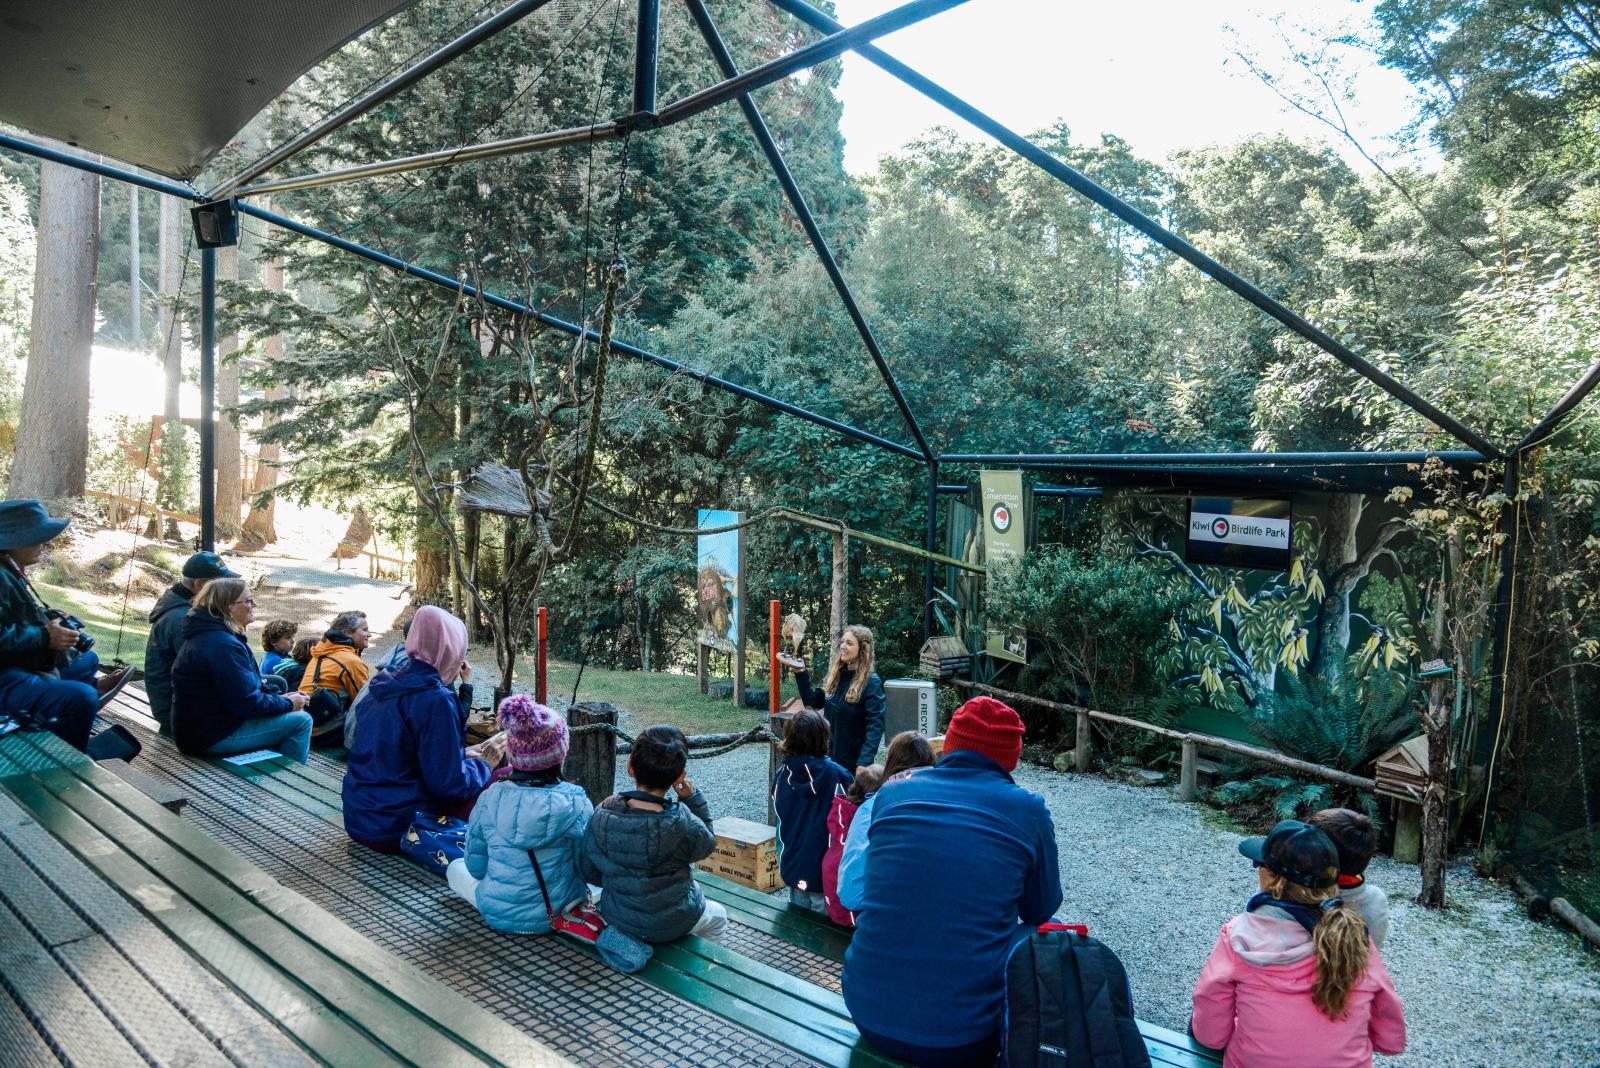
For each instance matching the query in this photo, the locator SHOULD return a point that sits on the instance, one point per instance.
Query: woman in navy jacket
(218, 705)
(407, 756)
(851, 697)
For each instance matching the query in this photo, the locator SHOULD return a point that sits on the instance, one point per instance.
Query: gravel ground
(1155, 879)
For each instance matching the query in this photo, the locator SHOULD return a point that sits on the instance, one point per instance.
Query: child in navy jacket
(803, 794)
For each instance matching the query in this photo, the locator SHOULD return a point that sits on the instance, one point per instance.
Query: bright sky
(1158, 73)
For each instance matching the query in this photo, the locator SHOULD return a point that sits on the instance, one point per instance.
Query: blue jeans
(289, 734)
(66, 706)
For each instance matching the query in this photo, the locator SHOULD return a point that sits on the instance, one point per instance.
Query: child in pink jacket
(846, 803)
(1297, 972)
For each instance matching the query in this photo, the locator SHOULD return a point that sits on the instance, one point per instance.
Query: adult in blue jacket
(218, 705)
(961, 865)
(851, 697)
(408, 756)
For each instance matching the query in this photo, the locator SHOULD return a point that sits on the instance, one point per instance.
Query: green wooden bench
(339, 997)
(790, 1011)
(810, 930)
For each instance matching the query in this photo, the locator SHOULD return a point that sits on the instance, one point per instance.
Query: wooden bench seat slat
(774, 923)
(48, 995)
(179, 843)
(257, 979)
(20, 1045)
(184, 980)
(273, 782)
(53, 921)
(137, 1008)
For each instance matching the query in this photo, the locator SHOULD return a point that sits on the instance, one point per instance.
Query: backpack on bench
(1069, 1005)
(327, 707)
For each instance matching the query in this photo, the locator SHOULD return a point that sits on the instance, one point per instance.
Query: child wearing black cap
(1296, 973)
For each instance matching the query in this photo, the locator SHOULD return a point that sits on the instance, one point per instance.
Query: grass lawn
(658, 697)
(103, 615)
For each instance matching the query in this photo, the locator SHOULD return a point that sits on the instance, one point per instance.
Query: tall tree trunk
(1340, 550)
(169, 489)
(52, 449)
(229, 476)
(1436, 723)
(260, 527)
(435, 427)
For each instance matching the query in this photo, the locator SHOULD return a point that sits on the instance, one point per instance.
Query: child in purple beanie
(532, 813)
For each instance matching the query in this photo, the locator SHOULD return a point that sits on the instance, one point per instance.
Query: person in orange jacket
(336, 662)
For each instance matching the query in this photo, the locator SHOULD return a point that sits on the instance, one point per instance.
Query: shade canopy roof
(164, 84)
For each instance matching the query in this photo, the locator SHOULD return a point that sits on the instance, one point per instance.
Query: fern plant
(1342, 723)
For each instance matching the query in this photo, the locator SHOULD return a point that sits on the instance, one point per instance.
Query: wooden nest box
(945, 657)
(1402, 772)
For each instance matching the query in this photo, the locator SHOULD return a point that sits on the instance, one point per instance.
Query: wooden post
(703, 667)
(592, 758)
(1186, 777)
(841, 566)
(1080, 751)
(774, 677)
(778, 723)
(1407, 832)
(539, 686)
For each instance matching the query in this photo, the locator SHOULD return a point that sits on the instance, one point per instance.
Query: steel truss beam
(693, 104)
(1148, 226)
(573, 329)
(388, 90)
(1209, 459)
(1554, 416)
(797, 201)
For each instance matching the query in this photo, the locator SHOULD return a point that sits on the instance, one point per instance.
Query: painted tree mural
(1241, 628)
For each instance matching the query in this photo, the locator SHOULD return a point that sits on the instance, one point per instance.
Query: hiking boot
(111, 684)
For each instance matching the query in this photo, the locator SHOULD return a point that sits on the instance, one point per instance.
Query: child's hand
(466, 672)
(683, 788)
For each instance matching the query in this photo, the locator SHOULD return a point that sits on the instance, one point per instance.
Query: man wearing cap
(961, 864)
(166, 631)
(46, 667)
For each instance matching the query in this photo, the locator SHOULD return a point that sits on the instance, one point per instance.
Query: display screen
(1239, 532)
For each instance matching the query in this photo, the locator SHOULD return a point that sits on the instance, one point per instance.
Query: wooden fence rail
(1192, 742)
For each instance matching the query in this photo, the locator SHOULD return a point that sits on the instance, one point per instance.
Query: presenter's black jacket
(857, 725)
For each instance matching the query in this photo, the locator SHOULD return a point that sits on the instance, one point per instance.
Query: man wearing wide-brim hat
(47, 673)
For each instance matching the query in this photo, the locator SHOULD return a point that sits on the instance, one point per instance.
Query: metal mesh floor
(546, 987)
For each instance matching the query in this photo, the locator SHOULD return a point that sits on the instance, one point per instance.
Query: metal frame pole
(1148, 226)
(1547, 426)
(776, 70)
(572, 329)
(389, 89)
(797, 201)
(931, 544)
(208, 394)
(1211, 459)
(646, 42)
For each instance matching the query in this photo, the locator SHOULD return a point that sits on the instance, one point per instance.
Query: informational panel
(720, 595)
(1005, 536)
(1239, 532)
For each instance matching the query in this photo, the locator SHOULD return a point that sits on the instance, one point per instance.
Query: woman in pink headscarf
(407, 757)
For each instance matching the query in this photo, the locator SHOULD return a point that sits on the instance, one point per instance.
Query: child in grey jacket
(1353, 837)
(641, 844)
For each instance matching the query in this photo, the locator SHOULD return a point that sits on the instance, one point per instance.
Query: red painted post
(774, 677)
(538, 671)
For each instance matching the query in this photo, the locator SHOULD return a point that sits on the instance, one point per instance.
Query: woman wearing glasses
(218, 705)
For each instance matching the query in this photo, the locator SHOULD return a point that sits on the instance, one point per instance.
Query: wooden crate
(746, 853)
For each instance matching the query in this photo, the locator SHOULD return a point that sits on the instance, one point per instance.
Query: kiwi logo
(1219, 527)
(1000, 517)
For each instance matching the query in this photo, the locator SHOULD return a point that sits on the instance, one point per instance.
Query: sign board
(1005, 537)
(719, 592)
(1239, 532)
